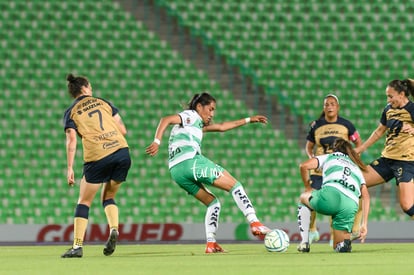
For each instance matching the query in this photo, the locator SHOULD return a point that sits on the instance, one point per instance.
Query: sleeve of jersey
(311, 133)
(361, 177)
(383, 119)
(114, 109)
(186, 118)
(411, 110)
(67, 121)
(321, 160)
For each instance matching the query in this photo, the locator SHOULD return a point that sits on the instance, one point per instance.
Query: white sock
(304, 214)
(243, 202)
(211, 220)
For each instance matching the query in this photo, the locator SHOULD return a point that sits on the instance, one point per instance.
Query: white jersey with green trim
(185, 138)
(339, 171)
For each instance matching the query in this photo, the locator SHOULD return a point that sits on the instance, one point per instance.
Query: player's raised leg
(227, 182)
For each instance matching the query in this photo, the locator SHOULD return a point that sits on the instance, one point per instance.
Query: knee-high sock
(243, 202)
(304, 214)
(358, 218)
(80, 224)
(211, 220)
(410, 212)
(112, 213)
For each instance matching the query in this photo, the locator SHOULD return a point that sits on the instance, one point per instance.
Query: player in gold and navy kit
(397, 158)
(105, 154)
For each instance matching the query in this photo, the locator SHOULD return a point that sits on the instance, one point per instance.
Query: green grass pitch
(246, 258)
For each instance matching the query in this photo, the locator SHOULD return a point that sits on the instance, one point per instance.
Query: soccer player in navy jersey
(397, 157)
(105, 154)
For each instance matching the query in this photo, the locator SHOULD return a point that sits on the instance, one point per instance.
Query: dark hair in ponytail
(203, 98)
(406, 86)
(75, 84)
(410, 85)
(343, 146)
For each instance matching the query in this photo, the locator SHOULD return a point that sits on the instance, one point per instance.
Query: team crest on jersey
(188, 120)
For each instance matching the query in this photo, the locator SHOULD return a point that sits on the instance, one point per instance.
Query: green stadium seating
(146, 79)
(341, 48)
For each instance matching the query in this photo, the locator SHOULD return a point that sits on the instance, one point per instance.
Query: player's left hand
(152, 149)
(258, 118)
(70, 175)
(363, 231)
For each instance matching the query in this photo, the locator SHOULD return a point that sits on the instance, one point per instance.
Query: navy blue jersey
(398, 145)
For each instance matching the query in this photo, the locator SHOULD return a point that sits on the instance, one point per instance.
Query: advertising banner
(175, 232)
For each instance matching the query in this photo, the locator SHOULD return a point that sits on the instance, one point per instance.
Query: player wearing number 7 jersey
(342, 186)
(105, 154)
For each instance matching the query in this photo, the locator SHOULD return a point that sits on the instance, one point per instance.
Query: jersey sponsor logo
(106, 135)
(345, 184)
(88, 105)
(174, 152)
(331, 132)
(207, 172)
(109, 145)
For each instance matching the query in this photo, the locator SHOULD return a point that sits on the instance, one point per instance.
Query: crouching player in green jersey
(342, 186)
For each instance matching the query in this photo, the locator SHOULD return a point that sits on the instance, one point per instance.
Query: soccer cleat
(213, 247)
(259, 230)
(73, 253)
(313, 236)
(111, 243)
(304, 247)
(344, 246)
(355, 235)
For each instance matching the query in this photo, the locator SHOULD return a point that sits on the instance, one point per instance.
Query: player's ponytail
(343, 146)
(410, 85)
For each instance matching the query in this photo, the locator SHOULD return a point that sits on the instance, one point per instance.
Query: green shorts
(192, 173)
(332, 202)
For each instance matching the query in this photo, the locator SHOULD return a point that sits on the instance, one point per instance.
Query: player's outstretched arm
(228, 125)
(152, 149)
(374, 137)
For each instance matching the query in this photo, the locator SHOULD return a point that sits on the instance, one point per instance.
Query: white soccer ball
(276, 241)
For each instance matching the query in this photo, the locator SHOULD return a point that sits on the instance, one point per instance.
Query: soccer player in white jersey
(342, 186)
(193, 172)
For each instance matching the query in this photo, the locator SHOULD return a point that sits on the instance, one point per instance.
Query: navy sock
(410, 212)
(82, 211)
